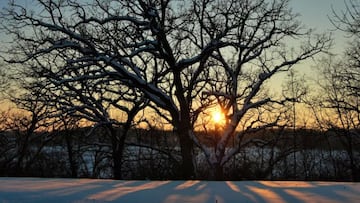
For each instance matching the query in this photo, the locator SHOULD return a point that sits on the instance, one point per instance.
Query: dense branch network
(181, 56)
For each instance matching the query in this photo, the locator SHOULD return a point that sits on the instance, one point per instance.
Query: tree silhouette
(169, 51)
(340, 85)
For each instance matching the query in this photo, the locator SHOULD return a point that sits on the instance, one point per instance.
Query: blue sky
(314, 14)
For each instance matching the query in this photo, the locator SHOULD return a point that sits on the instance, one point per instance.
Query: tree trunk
(23, 145)
(354, 170)
(118, 145)
(187, 166)
(187, 152)
(72, 161)
(217, 172)
(117, 159)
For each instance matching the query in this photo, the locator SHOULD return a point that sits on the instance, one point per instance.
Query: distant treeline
(278, 154)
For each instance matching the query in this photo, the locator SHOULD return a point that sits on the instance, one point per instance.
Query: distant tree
(66, 125)
(341, 87)
(296, 89)
(339, 109)
(348, 20)
(22, 130)
(168, 51)
(97, 100)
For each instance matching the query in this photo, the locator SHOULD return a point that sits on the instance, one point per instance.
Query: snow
(97, 190)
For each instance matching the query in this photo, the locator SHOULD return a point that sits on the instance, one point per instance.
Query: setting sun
(218, 117)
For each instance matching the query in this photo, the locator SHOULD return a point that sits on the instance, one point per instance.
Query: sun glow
(218, 117)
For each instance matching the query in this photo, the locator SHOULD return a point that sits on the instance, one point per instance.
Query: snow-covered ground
(93, 191)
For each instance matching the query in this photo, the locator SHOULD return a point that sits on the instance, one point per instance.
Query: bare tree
(167, 50)
(348, 20)
(24, 129)
(340, 114)
(119, 39)
(258, 51)
(294, 88)
(341, 82)
(93, 99)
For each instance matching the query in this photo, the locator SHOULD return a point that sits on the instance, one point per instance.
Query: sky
(316, 13)
(313, 14)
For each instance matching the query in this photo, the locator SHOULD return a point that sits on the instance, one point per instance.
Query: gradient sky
(316, 13)
(313, 14)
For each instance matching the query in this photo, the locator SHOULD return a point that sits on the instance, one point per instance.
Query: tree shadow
(294, 191)
(87, 190)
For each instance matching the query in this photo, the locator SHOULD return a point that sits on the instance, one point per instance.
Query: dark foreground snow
(93, 191)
